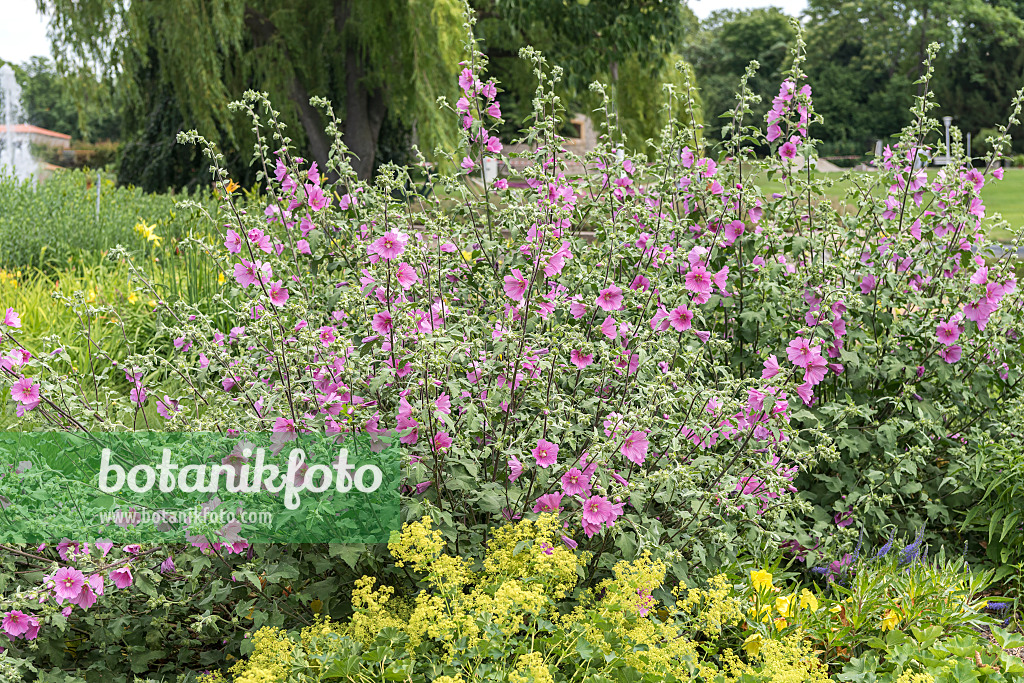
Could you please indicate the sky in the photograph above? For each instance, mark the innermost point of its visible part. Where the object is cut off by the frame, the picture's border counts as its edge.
(23, 30)
(702, 8)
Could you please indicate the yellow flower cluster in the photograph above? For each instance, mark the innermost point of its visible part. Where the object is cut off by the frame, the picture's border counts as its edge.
(146, 232)
(270, 661)
(9, 279)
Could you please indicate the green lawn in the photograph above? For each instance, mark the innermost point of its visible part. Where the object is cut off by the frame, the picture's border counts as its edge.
(1005, 197)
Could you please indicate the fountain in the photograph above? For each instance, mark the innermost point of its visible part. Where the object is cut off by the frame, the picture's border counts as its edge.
(15, 156)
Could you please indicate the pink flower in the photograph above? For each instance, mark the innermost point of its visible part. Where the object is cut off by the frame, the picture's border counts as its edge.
(467, 163)
(167, 565)
(788, 149)
(550, 502)
(11, 318)
(15, 623)
(442, 440)
(546, 453)
(326, 334)
(610, 299)
(67, 583)
(580, 359)
(406, 275)
(598, 510)
(867, 284)
(382, 323)
(122, 577)
(515, 468)
(609, 328)
(278, 293)
(515, 285)
(680, 319)
(698, 280)
(25, 392)
(166, 408)
(575, 483)
(494, 145)
(806, 393)
(816, 370)
(948, 332)
(302, 246)
(771, 367)
(467, 81)
(315, 197)
(389, 245)
(950, 354)
(248, 273)
(801, 352)
(634, 448)
(282, 425)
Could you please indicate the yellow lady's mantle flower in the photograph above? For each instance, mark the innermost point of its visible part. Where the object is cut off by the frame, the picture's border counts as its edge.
(890, 620)
(761, 580)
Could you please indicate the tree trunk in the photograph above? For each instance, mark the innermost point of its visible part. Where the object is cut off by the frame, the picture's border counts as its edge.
(263, 31)
(364, 109)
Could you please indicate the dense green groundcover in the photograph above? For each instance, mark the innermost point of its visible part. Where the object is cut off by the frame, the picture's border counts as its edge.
(656, 423)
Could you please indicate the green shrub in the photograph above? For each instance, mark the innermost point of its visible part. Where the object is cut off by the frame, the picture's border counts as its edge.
(44, 224)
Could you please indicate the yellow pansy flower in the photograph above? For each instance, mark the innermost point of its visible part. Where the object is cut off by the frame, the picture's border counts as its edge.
(761, 580)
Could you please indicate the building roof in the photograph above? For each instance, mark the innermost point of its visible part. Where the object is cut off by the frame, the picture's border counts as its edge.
(25, 129)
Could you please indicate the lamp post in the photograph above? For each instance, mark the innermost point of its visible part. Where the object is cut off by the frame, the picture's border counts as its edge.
(947, 120)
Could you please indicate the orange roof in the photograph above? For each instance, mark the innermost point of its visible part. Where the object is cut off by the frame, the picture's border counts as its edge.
(24, 128)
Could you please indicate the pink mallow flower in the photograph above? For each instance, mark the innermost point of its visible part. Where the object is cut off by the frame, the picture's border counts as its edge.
(122, 577)
(389, 245)
(801, 353)
(515, 285)
(948, 332)
(634, 448)
(545, 453)
(67, 583)
(580, 359)
(610, 299)
(598, 510)
(549, 502)
(278, 293)
(575, 483)
(25, 392)
(15, 623)
(515, 468)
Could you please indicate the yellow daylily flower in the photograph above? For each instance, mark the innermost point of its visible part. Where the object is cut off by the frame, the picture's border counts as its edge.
(761, 580)
(232, 186)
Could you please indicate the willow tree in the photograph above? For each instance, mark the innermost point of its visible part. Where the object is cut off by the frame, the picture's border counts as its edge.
(372, 58)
